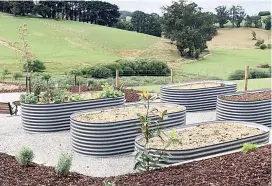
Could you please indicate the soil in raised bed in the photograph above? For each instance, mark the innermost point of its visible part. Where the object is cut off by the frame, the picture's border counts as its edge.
(249, 169)
(254, 96)
(204, 135)
(123, 113)
(198, 85)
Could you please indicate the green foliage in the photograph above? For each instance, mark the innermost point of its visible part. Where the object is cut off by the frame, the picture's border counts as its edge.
(25, 156)
(110, 92)
(5, 72)
(179, 25)
(124, 25)
(60, 95)
(101, 72)
(222, 15)
(264, 66)
(259, 42)
(267, 22)
(197, 53)
(256, 20)
(46, 77)
(253, 74)
(145, 159)
(237, 15)
(17, 75)
(263, 46)
(257, 74)
(249, 147)
(34, 66)
(64, 164)
(37, 83)
(108, 183)
(269, 46)
(29, 98)
(248, 22)
(264, 13)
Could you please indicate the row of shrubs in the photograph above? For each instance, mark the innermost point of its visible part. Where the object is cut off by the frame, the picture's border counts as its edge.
(253, 74)
(137, 67)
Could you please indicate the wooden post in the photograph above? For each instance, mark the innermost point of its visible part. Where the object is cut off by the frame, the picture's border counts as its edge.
(116, 79)
(172, 76)
(246, 77)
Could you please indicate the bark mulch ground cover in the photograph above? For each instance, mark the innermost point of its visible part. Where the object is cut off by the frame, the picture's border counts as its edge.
(237, 169)
(256, 96)
(11, 87)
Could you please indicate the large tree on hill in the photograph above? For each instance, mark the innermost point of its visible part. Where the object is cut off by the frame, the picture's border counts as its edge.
(257, 21)
(222, 15)
(237, 15)
(267, 22)
(191, 28)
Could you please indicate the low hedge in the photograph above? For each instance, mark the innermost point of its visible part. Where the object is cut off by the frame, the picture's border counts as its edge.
(253, 74)
(137, 67)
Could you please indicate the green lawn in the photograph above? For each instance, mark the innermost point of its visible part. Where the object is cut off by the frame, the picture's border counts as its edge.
(253, 84)
(223, 62)
(63, 45)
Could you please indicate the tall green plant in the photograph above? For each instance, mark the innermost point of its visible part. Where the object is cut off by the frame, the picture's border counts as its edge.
(147, 159)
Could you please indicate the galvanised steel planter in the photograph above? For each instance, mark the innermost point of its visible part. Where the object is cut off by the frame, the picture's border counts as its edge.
(113, 138)
(196, 99)
(56, 117)
(251, 111)
(190, 154)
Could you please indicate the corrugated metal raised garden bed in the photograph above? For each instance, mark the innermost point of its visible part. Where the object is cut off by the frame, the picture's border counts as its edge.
(208, 138)
(196, 96)
(251, 106)
(112, 131)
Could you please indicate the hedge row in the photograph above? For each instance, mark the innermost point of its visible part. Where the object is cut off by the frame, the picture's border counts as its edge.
(137, 67)
(253, 74)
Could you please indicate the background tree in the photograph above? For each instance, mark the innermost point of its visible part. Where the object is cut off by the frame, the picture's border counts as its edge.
(124, 25)
(222, 15)
(240, 16)
(185, 23)
(267, 22)
(233, 15)
(248, 21)
(256, 20)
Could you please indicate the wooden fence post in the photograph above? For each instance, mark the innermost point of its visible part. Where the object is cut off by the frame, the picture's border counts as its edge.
(116, 79)
(246, 77)
(172, 75)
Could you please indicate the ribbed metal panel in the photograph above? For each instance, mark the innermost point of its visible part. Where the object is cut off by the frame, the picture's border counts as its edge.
(177, 156)
(251, 111)
(106, 139)
(196, 99)
(56, 117)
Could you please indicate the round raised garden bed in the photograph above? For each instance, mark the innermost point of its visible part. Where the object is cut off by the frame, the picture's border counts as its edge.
(251, 106)
(209, 138)
(196, 96)
(113, 131)
(56, 116)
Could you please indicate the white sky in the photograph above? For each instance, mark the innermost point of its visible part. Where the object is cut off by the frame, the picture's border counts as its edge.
(251, 6)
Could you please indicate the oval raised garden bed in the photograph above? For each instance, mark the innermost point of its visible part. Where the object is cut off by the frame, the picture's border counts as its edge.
(196, 96)
(113, 131)
(251, 106)
(209, 138)
(56, 116)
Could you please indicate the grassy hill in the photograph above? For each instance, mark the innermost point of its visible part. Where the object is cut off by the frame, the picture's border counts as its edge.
(68, 44)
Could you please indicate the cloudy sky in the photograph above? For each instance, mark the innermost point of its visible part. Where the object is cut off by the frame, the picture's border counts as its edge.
(149, 6)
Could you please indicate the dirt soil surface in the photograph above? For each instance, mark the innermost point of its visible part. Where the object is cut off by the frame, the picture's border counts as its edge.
(197, 85)
(125, 113)
(247, 169)
(10, 87)
(256, 96)
(205, 135)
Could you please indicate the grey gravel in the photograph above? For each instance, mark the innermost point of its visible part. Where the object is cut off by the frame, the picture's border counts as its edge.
(48, 146)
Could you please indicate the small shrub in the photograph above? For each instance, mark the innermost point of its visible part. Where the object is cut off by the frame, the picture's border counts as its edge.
(102, 72)
(64, 164)
(263, 46)
(35, 66)
(264, 65)
(269, 46)
(17, 75)
(249, 147)
(110, 92)
(237, 75)
(264, 13)
(29, 98)
(128, 71)
(25, 156)
(253, 35)
(108, 183)
(259, 42)
(256, 74)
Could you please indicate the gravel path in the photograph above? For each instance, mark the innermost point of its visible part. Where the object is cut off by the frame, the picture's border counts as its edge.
(47, 147)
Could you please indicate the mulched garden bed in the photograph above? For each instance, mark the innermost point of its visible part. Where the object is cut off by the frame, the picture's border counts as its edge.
(251, 169)
(254, 96)
(6, 87)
